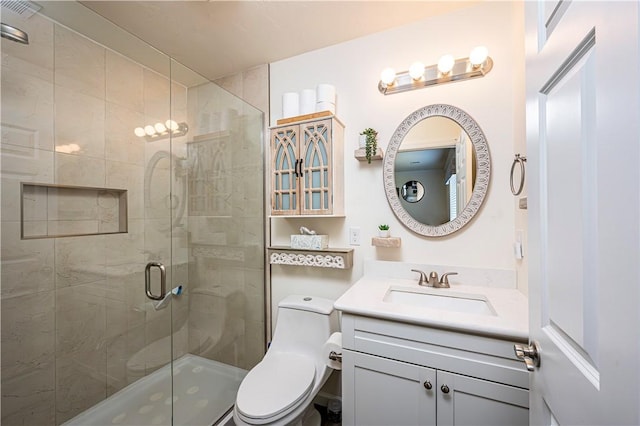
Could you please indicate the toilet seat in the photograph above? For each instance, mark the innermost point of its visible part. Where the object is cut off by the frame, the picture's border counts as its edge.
(275, 387)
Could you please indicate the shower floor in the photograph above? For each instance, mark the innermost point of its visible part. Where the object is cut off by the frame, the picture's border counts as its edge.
(204, 391)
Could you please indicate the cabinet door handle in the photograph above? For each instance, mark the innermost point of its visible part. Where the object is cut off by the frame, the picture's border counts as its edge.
(295, 169)
(444, 389)
(427, 385)
(301, 173)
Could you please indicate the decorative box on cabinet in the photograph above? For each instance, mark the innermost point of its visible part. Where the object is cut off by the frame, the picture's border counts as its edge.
(406, 374)
(307, 168)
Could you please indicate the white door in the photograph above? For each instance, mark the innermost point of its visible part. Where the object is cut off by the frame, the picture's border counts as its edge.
(583, 159)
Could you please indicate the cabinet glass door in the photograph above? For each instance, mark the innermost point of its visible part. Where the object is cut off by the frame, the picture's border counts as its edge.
(316, 168)
(284, 177)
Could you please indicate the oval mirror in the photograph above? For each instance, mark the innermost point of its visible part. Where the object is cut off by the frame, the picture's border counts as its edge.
(444, 150)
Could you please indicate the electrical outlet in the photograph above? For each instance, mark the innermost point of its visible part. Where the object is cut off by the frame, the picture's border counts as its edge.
(354, 236)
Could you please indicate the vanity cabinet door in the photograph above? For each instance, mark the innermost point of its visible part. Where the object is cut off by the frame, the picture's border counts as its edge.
(380, 391)
(464, 400)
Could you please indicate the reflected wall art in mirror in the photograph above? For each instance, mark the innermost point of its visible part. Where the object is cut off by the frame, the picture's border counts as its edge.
(443, 149)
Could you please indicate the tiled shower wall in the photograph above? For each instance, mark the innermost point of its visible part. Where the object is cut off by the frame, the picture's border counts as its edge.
(73, 309)
(74, 314)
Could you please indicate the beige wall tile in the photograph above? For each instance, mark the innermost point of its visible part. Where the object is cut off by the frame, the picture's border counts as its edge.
(27, 265)
(124, 82)
(79, 170)
(17, 165)
(130, 177)
(121, 144)
(36, 59)
(80, 319)
(28, 351)
(79, 123)
(80, 260)
(29, 399)
(79, 63)
(27, 110)
(29, 340)
(157, 97)
(80, 383)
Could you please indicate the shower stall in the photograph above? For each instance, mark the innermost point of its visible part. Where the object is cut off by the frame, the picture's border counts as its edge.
(132, 239)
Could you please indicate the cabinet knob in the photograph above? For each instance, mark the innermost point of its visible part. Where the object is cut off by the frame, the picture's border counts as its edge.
(427, 385)
(444, 389)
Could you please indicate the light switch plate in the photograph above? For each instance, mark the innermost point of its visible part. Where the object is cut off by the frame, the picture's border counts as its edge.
(354, 236)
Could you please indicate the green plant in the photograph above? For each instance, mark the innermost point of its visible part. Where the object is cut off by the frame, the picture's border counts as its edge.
(383, 227)
(371, 143)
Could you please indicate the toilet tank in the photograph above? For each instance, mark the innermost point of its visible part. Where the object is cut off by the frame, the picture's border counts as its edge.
(304, 324)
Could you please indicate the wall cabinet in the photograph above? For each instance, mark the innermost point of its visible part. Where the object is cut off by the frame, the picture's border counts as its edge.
(307, 168)
(424, 376)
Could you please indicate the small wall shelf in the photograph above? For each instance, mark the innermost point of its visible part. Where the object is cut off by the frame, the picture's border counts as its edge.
(360, 154)
(393, 242)
(335, 258)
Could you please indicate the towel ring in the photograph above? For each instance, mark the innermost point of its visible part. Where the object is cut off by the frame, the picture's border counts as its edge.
(518, 160)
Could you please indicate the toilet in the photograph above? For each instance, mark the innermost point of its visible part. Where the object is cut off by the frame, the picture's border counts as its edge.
(281, 388)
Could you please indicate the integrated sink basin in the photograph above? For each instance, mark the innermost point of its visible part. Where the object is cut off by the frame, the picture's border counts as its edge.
(441, 300)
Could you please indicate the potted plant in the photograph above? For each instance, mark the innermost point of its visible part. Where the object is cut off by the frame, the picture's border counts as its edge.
(383, 230)
(371, 143)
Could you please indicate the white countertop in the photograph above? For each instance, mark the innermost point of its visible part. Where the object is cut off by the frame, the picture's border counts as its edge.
(511, 319)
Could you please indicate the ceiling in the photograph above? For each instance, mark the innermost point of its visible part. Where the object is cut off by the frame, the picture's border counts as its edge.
(220, 38)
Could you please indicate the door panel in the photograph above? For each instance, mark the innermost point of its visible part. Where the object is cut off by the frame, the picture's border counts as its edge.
(567, 137)
(582, 148)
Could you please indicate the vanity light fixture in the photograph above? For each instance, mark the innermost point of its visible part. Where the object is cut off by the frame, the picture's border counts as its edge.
(161, 130)
(447, 70)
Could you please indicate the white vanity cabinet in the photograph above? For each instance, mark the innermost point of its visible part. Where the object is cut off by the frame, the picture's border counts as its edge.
(307, 168)
(406, 374)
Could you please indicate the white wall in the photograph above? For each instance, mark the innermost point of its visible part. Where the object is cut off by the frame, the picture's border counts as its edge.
(495, 102)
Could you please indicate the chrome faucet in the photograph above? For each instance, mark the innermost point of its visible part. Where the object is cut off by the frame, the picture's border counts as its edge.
(432, 279)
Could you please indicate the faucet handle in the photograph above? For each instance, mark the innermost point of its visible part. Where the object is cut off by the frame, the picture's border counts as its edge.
(423, 277)
(444, 279)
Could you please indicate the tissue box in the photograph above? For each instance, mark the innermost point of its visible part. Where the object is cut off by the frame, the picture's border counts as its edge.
(309, 242)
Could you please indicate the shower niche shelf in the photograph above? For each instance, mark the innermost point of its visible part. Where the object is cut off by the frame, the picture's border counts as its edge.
(51, 211)
(335, 258)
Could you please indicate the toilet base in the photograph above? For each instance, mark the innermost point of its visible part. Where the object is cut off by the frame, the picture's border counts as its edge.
(311, 417)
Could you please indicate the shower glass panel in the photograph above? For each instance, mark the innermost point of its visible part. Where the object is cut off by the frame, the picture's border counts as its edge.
(81, 342)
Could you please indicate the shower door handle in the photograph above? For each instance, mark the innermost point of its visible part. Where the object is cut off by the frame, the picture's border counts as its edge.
(147, 280)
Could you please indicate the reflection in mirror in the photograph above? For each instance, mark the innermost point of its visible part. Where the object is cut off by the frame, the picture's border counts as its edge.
(412, 191)
(437, 146)
(437, 151)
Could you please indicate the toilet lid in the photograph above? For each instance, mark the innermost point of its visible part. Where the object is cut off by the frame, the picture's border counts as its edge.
(279, 382)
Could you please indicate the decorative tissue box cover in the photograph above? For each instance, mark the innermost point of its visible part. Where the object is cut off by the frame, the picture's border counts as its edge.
(309, 242)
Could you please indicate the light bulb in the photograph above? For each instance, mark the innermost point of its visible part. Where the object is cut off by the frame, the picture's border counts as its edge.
(160, 128)
(388, 76)
(416, 70)
(445, 64)
(139, 131)
(149, 130)
(478, 55)
(172, 125)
